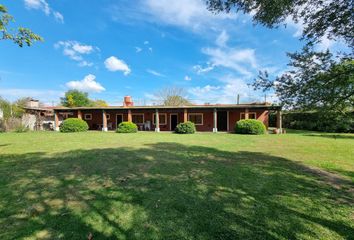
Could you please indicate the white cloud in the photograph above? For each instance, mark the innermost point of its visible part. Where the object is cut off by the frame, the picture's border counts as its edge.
(200, 69)
(153, 72)
(239, 60)
(75, 51)
(226, 92)
(325, 43)
(114, 64)
(44, 6)
(222, 39)
(146, 42)
(58, 16)
(150, 49)
(298, 27)
(88, 84)
(138, 49)
(187, 78)
(44, 95)
(186, 13)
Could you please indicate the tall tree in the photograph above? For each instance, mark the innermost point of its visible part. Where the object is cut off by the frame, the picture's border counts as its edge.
(75, 98)
(20, 36)
(333, 19)
(317, 80)
(173, 96)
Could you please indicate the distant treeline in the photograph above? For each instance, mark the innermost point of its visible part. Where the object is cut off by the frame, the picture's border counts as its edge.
(316, 121)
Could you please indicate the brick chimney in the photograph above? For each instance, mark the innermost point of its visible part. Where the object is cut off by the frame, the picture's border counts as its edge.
(128, 102)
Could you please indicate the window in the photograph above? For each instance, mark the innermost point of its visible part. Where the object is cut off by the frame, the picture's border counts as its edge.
(108, 116)
(251, 115)
(162, 118)
(88, 116)
(138, 118)
(196, 118)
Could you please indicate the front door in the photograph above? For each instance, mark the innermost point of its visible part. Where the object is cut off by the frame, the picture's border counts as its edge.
(119, 119)
(174, 121)
(222, 121)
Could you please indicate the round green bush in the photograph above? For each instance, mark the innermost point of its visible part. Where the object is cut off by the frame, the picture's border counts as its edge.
(74, 125)
(127, 127)
(250, 126)
(185, 128)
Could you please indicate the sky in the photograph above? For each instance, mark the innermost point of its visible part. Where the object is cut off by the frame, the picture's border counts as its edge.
(114, 48)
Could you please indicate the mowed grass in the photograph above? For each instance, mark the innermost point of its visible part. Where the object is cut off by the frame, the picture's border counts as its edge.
(168, 186)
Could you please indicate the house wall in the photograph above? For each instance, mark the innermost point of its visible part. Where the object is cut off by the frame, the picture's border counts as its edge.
(208, 118)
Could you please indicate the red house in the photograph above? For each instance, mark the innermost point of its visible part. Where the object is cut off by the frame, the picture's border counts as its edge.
(208, 117)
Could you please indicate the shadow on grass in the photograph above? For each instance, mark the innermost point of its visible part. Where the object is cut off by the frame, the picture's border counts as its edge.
(332, 136)
(169, 191)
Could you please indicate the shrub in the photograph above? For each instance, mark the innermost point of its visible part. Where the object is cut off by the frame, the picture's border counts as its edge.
(250, 126)
(319, 121)
(127, 127)
(185, 128)
(21, 128)
(73, 125)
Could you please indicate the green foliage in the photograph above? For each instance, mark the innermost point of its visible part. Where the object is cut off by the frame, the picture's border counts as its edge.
(315, 82)
(75, 98)
(185, 128)
(173, 96)
(332, 19)
(6, 108)
(21, 129)
(21, 36)
(99, 103)
(319, 121)
(74, 125)
(250, 126)
(127, 127)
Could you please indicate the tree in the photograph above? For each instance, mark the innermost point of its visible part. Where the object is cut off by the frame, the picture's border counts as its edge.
(315, 82)
(21, 36)
(332, 19)
(173, 96)
(6, 108)
(99, 103)
(75, 98)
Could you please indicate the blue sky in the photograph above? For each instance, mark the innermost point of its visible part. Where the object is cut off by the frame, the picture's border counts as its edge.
(116, 48)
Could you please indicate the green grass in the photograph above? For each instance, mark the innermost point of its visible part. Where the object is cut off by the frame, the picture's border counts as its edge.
(169, 186)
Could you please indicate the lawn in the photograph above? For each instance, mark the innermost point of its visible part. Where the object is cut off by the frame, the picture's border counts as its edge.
(167, 186)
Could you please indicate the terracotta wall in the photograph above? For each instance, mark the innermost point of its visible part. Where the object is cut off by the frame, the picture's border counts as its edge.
(234, 116)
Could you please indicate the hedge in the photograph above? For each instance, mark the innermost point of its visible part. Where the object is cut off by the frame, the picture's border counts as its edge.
(127, 127)
(318, 121)
(250, 126)
(185, 128)
(74, 125)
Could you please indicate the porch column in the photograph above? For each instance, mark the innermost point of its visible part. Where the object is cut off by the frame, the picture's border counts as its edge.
(104, 121)
(130, 119)
(246, 113)
(279, 120)
(79, 114)
(157, 121)
(185, 115)
(215, 129)
(56, 121)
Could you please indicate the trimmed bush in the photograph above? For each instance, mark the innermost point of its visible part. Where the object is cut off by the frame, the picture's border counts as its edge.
(250, 126)
(74, 125)
(127, 127)
(185, 128)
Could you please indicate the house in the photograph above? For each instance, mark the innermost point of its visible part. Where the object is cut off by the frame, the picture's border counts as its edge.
(207, 117)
